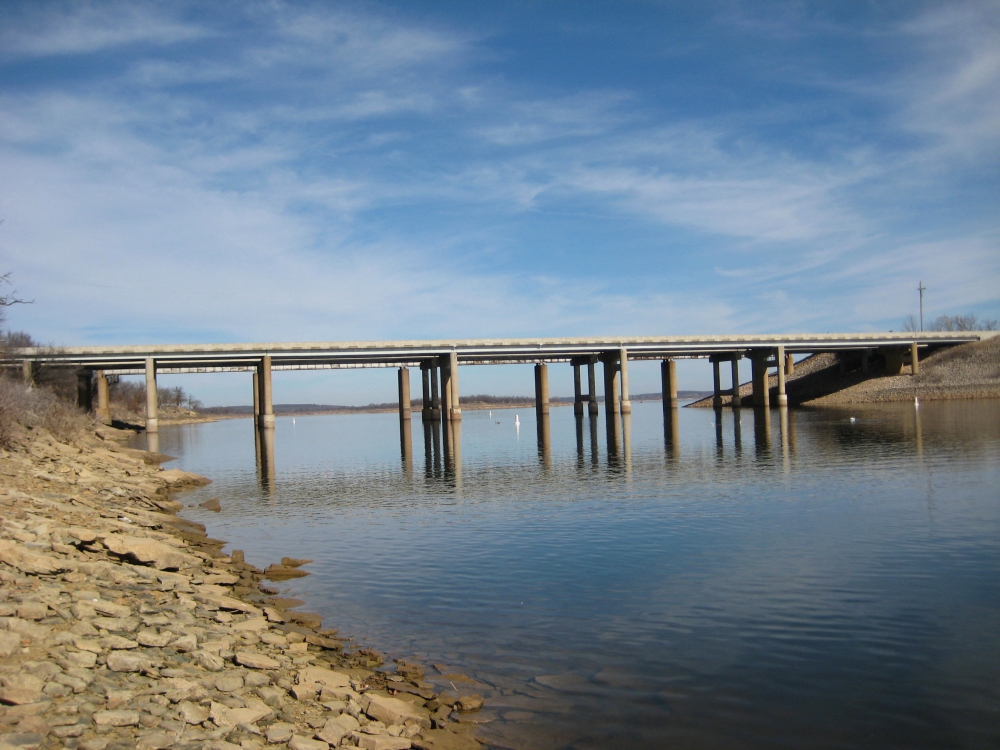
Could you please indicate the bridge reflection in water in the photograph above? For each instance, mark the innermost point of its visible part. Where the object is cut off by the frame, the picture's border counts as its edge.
(442, 442)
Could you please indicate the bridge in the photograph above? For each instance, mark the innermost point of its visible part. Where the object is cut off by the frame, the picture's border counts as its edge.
(439, 361)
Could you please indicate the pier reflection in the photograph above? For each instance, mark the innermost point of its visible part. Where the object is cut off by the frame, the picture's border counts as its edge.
(762, 430)
(672, 433)
(264, 444)
(452, 431)
(406, 445)
(544, 430)
(432, 448)
(738, 430)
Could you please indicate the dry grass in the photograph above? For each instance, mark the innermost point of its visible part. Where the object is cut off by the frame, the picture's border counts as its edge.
(21, 407)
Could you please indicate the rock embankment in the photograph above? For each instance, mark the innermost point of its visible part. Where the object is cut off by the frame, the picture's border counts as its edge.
(125, 626)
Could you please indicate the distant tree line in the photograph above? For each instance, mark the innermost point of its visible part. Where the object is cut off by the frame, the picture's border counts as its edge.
(952, 323)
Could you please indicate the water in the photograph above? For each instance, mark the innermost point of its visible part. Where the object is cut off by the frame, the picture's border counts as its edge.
(808, 581)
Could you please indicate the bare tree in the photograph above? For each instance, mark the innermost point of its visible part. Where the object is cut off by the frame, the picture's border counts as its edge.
(910, 323)
(968, 322)
(7, 300)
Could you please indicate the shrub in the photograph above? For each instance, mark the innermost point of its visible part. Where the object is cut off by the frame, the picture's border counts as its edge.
(37, 407)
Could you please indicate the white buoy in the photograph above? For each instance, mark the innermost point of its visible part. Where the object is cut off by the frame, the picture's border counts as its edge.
(853, 419)
(517, 419)
(491, 414)
(916, 401)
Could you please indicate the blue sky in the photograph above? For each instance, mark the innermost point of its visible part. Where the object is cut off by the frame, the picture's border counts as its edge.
(192, 172)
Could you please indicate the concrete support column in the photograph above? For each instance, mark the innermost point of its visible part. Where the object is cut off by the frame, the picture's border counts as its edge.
(541, 388)
(404, 393)
(914, 359)
(455, 412)
(761, 395)
(152, 404)
(737, 401)
(577, 390)
(266, 418)
(626, 404)
(780, 359)
(668, 377)
(103, 398)
(425, 390)
(85, 389)
(592, 384)
(256, 397)
(789, 364)
(893, 361)
(28, 372)
(612, 404)
(445, 388)
(716, 385)
(435, 392)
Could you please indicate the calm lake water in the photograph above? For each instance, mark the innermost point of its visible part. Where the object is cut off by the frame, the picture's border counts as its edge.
(830, 579)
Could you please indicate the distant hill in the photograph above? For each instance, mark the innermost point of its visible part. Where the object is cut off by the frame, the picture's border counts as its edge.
(474, 400)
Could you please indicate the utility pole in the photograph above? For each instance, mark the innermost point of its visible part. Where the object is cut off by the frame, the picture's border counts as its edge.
(921, 288)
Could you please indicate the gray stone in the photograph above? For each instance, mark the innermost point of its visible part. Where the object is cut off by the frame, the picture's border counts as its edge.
(279, 732)
(229, 683)
(9, 643)
(299, 742)
(256, 660)
(125, 661)
(118, 718)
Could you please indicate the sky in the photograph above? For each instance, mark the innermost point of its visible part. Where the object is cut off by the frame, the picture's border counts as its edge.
(177, 172)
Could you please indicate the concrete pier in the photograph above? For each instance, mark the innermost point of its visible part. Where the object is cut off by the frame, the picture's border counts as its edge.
(445, 368)
(782, 363)
(668, 378)
(577, 389)
(266, 418)
(85, 389)
(914, 359)
(612, 398)
(626, 404)
(404, 392)
(761, 394)
(592, 384)
(737, 401)
(455, 410)
(716, 385)
(256, 397)
(541, 389)
(435, 393)
(425, 391)
(28, 372)
(789, 364)
(152, 404)
(103, 399)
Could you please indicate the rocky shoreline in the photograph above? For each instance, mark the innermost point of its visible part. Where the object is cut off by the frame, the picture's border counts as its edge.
(124, 626)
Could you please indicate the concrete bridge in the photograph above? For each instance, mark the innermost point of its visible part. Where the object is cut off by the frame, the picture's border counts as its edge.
(439, 361)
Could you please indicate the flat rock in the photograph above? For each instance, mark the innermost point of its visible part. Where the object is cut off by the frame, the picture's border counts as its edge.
(323, 676)
(149, 552)
(380, 741)
(126, 661)
(20, 688)
(212, 504)
(192, 713)
(337, 728)
(256, 661)
(9, 643)
(175, 477)
(119, 718)
(27, 561)
(279, 732)
(298, 742)
(442, 739)
(223, 716)
(394, 711)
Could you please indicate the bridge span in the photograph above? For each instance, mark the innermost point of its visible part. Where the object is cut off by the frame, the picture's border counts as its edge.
(439, 361)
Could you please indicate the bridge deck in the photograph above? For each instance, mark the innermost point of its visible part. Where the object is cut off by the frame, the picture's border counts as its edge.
(215, 357)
